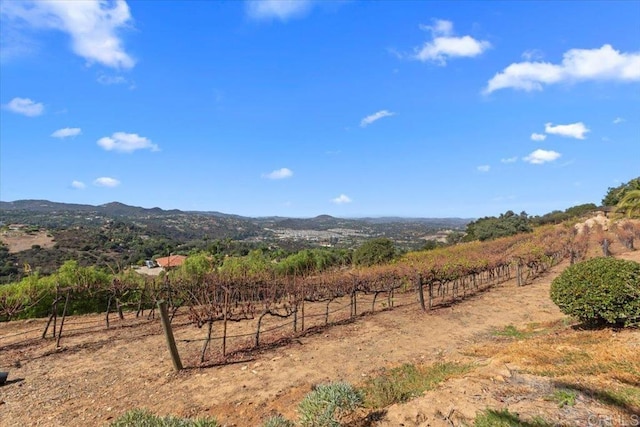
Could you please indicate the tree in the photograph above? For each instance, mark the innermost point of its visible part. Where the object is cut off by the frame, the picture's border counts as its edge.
(197, 266)
(506, 224)
(630, 204)
(376, 251)
(616, 194)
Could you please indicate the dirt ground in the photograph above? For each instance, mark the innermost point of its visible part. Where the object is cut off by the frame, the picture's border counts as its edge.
(97, 376)
(17, 240)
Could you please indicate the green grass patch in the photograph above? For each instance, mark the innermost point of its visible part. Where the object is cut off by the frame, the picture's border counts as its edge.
(509, 331)
(504, 418)
(144, 418)
(564, 397)
(408, 381)
(624, 397)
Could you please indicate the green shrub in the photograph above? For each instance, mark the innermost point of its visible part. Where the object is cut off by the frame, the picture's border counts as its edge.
(600, 291)
(328, 402)
(144, 418)
(278, 421)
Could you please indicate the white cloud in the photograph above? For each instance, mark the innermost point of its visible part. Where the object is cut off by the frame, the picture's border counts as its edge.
(78, 185)
(25, 106)
(444, 45)
(618, 120)
(539, 157)
(278, 9)
(573, 130)
(484, 168)
(92, 25)
(375, 116)
(604, 63)
(106, 181)
(440, 27)
(341, 199)
(66, 132)
(509, 160)
(126, 142)
(538, 137)
(282, 173)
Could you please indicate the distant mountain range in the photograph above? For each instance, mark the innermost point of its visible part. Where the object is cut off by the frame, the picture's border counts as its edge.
(186, 225)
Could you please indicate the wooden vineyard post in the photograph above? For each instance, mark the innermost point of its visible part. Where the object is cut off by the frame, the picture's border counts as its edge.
(64, 314)
(224, 332)
(206, 342)
(168, 334)
(430, 294)
(421, 292)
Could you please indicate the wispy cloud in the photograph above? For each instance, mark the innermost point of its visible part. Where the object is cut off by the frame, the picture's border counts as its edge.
(484, 168)
(126, 143)
(573, 130)
(66, 132)
(282, 173)
(604, 63)
(105, 79)
(374, 117)
(25, 106)
(538, 137)
(79, 185)
(444, 45)
(540, 156)
(532, 54)
(106, 181)
(92, 25)
(509, 160)
(341, 199)
(618, 120)
(282, 10)
(13, 44)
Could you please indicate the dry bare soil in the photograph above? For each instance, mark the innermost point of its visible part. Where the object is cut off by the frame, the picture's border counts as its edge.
(18, 240)
(97, 376)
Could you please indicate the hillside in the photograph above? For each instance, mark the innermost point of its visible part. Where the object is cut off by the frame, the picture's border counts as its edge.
(115, 235)
(509, 337)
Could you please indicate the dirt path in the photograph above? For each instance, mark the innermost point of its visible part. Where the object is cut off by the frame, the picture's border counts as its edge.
(115, 371)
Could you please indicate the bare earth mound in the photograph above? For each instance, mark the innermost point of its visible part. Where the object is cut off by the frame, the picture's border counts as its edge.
(97, 376)
(18, 240)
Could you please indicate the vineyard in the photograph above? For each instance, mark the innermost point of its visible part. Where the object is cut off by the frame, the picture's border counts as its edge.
(242, 311)
(269, 337)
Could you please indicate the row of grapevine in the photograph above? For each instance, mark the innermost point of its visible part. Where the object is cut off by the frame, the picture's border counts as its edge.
(430, 278)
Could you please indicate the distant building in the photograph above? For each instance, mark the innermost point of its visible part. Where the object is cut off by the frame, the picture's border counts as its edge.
(171, 261)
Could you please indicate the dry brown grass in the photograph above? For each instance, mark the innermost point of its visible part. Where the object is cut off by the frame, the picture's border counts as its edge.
(603, 364)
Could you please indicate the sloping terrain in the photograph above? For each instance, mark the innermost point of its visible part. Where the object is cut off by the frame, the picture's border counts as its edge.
(97, 376)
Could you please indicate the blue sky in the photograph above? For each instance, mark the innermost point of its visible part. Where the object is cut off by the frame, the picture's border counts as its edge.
(301, 108)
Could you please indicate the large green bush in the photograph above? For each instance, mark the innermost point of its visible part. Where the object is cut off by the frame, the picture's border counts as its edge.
(600, 291)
